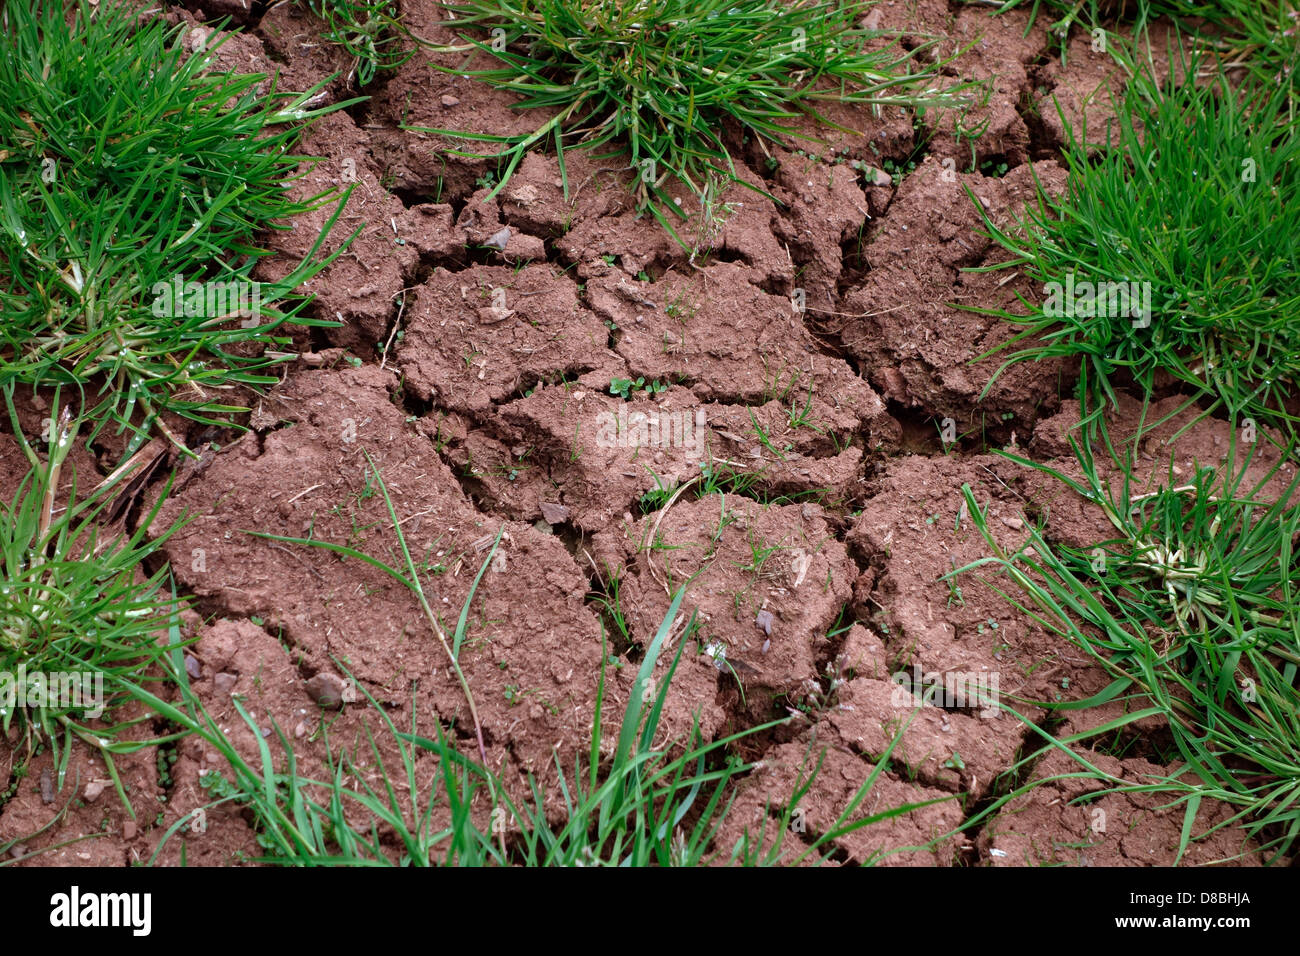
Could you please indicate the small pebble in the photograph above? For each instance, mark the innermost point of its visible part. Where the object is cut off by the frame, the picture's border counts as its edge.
(498, 239)
(93, 790)
(450, 101)
(192, 667)
(47, 786)
(764, 622)
(225, 683)
(554, 513)
(128, 830)
(492, 314)
(326, 690)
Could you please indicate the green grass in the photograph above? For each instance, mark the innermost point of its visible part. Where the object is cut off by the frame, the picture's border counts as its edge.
(1258, 36)
(371, 31)
(1193, 609)
(664, 80)
(125, 164)
(75, 601)
(1194, 204)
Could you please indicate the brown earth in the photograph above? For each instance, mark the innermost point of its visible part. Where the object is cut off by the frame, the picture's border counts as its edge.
(819, 343)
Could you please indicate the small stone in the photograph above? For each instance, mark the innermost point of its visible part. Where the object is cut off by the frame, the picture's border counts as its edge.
(225, 683)
(524, 248)
(498, 239)
(47, 786)
(18, 851)
(192, 667)
(93, 790)
(1015, 523)
(326, 690)
(764, 622)
(301, 730)
(128, 830)
(449, 101)
(493, 314)
(554, 513)
(525, 195)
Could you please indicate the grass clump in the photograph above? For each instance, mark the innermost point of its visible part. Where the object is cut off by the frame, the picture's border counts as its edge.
(1256, 36)
(129, 170)
(1172, 250)
(371, 31)
(667, 78)
(1193, 608)
(79, 618)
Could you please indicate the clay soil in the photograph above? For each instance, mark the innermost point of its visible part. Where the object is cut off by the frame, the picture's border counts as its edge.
(485, 419)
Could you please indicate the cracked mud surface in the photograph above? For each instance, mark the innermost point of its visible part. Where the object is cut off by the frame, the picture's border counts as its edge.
(482, 393)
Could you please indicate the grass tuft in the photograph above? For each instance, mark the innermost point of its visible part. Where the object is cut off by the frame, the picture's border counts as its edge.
(1193, 608)
(129, 168)
(370, 31)
(669, 78)
(1254, 36)
(1186, 222)
(79, 617)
